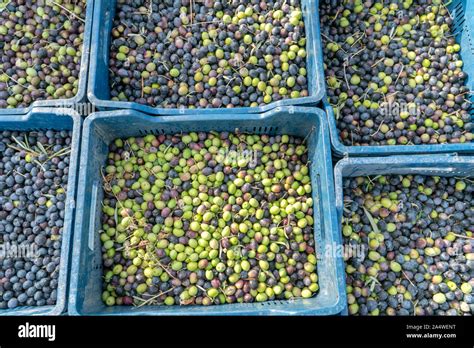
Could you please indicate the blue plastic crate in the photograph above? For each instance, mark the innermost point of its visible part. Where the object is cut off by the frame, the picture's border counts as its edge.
(463, 28)
(102, 128)
(53, 119)
(99, 91)
(441, 165)
(80, 97)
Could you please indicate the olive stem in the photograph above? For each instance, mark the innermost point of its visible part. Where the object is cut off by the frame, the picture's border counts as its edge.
(68, 11)
(11, 78)
(404, 274)
(151, 298)
(461, 236)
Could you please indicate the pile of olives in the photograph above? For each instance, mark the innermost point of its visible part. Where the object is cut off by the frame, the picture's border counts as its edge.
(208, 54)
(34, 169)
(207, 218)
(41, 44)
(413, 237)
(394, 73)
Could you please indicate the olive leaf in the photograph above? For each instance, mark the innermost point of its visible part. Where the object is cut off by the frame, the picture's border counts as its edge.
(372, 221)
(372, 281)
(4, 4)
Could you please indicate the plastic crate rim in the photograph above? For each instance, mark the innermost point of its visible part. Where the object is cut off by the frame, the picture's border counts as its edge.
(204, 117)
